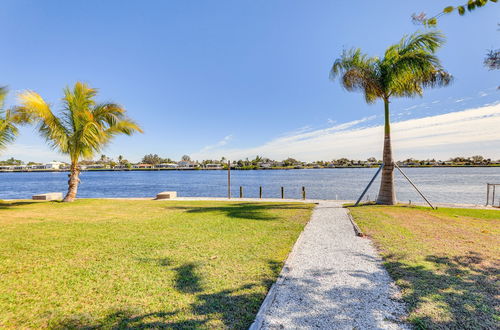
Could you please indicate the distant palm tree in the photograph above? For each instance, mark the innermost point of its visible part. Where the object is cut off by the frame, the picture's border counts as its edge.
(8, 122)
(82, 128)
(405, 70)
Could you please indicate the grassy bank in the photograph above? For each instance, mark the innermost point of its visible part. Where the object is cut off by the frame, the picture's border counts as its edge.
(446, 262)
(119, 263)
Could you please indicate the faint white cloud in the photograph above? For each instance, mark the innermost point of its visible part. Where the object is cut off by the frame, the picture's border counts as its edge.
(411, 108)
(219, 144)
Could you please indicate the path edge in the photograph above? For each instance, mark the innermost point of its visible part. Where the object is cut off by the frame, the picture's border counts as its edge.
(271, 294)
(354, 224)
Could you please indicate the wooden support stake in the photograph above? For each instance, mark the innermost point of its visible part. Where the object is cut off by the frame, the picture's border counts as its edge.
(260, 192)
(369, 184)
(241, 192)
(304, 193)
(282, 193)
(487, 194)
(407, 178)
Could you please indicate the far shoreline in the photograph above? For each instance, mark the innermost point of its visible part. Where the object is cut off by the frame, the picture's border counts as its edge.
(239, 169)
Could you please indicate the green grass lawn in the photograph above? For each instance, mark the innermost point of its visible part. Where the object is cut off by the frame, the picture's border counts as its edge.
(445, 261)
(125, 263)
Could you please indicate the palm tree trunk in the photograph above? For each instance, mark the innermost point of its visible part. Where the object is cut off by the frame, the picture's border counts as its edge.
(387, 193)
(72, 183)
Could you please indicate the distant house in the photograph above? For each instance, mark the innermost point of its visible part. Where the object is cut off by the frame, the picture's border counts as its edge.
(54, 165)
(6, 167)
(142, 166)
(167, 165)
(265, 165)
(20, 167)
(186, 164)
(96, 166)
(214, 166)
(36, 167)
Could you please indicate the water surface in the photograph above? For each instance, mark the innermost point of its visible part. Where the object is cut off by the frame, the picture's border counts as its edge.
(446, 185)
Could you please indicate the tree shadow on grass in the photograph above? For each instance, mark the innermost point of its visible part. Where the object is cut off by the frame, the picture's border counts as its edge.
(187, 279)
(11, 205)
(158, 261)
(463, 290)
(235, 308)
(248, 211)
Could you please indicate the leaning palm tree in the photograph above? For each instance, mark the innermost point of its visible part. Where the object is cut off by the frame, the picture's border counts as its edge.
(405, 70)
(82, 128)
(8, 122)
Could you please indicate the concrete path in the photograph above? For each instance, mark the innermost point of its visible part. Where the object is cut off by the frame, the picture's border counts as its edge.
(332, 280)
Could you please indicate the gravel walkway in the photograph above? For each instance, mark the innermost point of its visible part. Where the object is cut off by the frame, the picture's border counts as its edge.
(332, 280)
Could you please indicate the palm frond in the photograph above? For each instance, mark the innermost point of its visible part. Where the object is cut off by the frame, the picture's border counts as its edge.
(3, 95)
(33, 108)
(8, 129)
(428, 42)
(412, 65)
(124, 126)
(358, 73)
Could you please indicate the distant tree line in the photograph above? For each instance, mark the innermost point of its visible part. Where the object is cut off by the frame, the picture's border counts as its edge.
(260, 162)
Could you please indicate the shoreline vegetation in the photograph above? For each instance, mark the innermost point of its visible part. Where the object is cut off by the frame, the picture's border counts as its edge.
(232, 168)
(155, 163)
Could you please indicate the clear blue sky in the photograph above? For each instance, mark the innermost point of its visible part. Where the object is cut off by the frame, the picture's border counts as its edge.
(202, 75)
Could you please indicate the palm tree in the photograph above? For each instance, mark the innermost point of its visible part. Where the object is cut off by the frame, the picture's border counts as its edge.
(8, 122)
(82, 128)
(405, 70)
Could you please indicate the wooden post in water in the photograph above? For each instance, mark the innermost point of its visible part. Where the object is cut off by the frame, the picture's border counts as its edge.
(229, 179)
(493, 196)
(241, 192)
(282, 193)
(260, 192)
(303, 192)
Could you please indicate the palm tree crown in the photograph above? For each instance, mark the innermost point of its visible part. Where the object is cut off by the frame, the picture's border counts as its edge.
(405, 70)
(82, 128)
(8, 122)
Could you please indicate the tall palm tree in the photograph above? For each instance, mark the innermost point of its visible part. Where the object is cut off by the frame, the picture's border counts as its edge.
(82, 128)
(8, 122)
(405, 70)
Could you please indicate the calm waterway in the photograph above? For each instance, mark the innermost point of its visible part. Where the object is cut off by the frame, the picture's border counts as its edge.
(446, 185)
